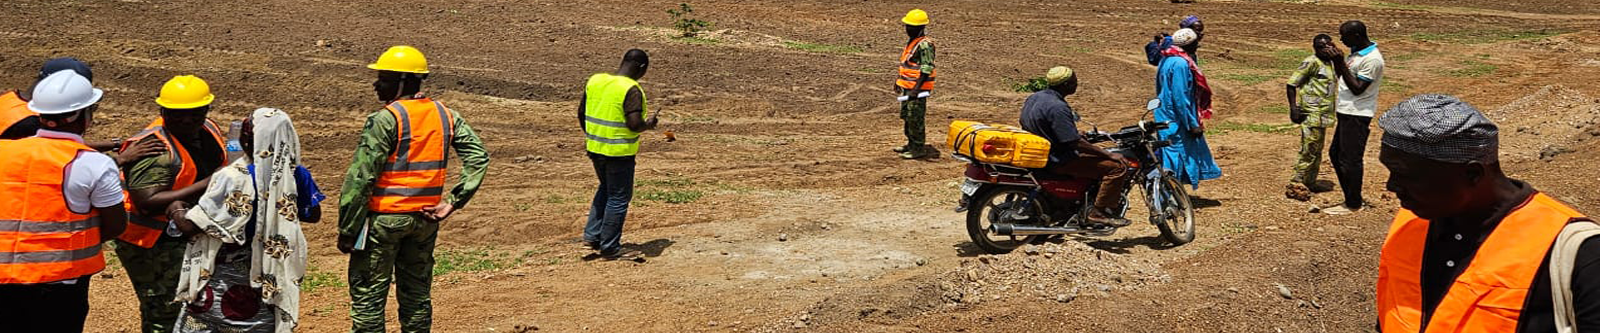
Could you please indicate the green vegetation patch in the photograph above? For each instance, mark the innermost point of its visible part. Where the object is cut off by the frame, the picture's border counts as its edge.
(1248, 79)
(1226, 127)
(688, 24)
(1485, 36)
(1473, 68)
(470, 260)
(822, 48)
(316, 279)
(678, 196)
(1032, 84)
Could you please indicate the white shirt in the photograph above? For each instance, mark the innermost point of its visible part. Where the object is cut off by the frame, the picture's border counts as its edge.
(1366, 65)
(94, 180)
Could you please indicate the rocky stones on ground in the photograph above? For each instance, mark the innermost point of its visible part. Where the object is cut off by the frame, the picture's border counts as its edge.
(1058, 275)
(1285, 292)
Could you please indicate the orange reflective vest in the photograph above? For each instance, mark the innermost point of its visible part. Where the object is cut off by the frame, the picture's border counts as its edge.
(144, 228)
(41, 240)
(413, 176)
(12, 109)
(1488, 295)
(910, 71)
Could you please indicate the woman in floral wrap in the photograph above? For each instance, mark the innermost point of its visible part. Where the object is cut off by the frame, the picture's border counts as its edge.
(242, 269)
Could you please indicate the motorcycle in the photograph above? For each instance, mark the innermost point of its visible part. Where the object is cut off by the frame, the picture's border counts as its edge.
(1009, 206)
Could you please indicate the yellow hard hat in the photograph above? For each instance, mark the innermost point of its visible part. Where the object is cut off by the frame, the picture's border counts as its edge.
(185, 92)
(401, 58)
(916, 17)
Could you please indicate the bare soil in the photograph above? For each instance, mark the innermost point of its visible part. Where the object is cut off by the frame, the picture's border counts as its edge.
(804, 220)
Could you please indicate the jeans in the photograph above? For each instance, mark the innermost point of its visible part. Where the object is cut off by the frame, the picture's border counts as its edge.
(44, 308)
(610, 207)
(1347, 152)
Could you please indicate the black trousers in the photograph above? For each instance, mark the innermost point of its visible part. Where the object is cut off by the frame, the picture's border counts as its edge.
(44, 308)
(1347, 152)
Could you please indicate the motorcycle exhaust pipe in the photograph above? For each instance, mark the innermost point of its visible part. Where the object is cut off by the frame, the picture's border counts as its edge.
(1009, 229)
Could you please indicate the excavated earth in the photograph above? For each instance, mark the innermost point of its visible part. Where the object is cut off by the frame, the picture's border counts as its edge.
(779, 207)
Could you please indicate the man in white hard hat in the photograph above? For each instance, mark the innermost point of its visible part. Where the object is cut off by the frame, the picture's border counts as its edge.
(66, 199)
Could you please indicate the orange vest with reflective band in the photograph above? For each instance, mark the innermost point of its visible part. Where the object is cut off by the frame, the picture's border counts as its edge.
(1488, 295)
(910, 71)
(41, 240)
(413, 177)
(144, 228)
(12, 109)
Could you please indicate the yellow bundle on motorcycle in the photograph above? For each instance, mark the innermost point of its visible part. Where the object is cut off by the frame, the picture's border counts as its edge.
(998, 144)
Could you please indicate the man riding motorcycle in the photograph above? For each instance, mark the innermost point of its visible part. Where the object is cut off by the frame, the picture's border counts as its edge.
(1047, 114)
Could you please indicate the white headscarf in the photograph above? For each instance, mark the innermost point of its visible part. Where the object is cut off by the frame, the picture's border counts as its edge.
(1184, 37)
(278, 252)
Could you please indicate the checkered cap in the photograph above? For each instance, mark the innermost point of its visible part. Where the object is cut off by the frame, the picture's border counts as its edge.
(1441, 128)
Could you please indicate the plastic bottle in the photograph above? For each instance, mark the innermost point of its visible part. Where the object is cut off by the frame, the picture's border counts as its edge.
(234, 149)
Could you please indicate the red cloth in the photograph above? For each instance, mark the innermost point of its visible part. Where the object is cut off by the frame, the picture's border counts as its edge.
(1202, 93)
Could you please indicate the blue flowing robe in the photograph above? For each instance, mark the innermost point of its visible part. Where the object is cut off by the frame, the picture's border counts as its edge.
(1189, 157)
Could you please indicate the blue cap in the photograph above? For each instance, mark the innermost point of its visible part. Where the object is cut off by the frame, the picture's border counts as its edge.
(60, 64)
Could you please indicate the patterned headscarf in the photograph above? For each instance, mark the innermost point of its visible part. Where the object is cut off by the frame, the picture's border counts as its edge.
(278, 251)
(1441, 128)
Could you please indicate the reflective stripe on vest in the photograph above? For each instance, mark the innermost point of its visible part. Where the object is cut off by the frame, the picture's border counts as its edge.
(12, 110)
(413, 176)
(605, 123)
(41, 239)
(144, 228)
(1488, 295)
(910, 71)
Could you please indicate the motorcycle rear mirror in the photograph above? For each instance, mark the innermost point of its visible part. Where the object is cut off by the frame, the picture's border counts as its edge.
(1152, 104)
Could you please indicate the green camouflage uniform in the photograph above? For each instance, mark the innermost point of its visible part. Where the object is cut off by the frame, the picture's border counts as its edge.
(399, 247)
(154, 271)
(915, 110)
(1315, 80)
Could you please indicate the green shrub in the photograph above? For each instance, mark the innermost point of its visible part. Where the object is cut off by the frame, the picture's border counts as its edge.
(686, 22)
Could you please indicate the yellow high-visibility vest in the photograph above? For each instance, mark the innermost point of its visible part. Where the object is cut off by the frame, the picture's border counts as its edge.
(605, 123)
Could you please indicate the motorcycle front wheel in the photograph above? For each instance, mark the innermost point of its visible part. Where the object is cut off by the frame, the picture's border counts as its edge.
(1175, 216)
(1001, 204)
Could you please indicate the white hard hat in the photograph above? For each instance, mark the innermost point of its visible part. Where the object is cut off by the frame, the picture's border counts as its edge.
(63, 92)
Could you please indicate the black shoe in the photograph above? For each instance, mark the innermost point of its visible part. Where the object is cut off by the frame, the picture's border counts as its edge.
(616, 254)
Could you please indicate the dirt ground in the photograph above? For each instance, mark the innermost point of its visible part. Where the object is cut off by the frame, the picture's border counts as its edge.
(780, 207)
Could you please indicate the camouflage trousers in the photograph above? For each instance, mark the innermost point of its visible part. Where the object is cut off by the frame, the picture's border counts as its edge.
(400, 251)
(1312, 139)
(914, 113)
(154, 273)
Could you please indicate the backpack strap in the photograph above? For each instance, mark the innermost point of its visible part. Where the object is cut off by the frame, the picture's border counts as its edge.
(1563, 257)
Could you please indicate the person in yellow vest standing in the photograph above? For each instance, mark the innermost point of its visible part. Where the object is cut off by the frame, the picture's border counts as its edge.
(62, 201)
(613, 113)
(915, 84)
(151, 250)
(1472, 249)
(394, 195)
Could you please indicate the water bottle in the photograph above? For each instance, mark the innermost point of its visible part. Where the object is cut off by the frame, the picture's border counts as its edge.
(233, 147)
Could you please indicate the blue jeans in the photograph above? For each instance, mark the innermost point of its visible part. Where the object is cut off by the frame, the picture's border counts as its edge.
(610, 207)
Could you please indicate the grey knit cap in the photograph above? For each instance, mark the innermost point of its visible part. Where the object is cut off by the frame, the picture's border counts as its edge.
(1441, 128)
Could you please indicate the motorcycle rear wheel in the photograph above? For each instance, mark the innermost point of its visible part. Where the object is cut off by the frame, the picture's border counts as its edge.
(990, 206)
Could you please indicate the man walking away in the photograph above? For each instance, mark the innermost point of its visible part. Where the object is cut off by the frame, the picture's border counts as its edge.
(394, 196)
(613, 113)
(64, 200)
(1311, 91)
(1360, 76)
(915, 84)
(1474, 250)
